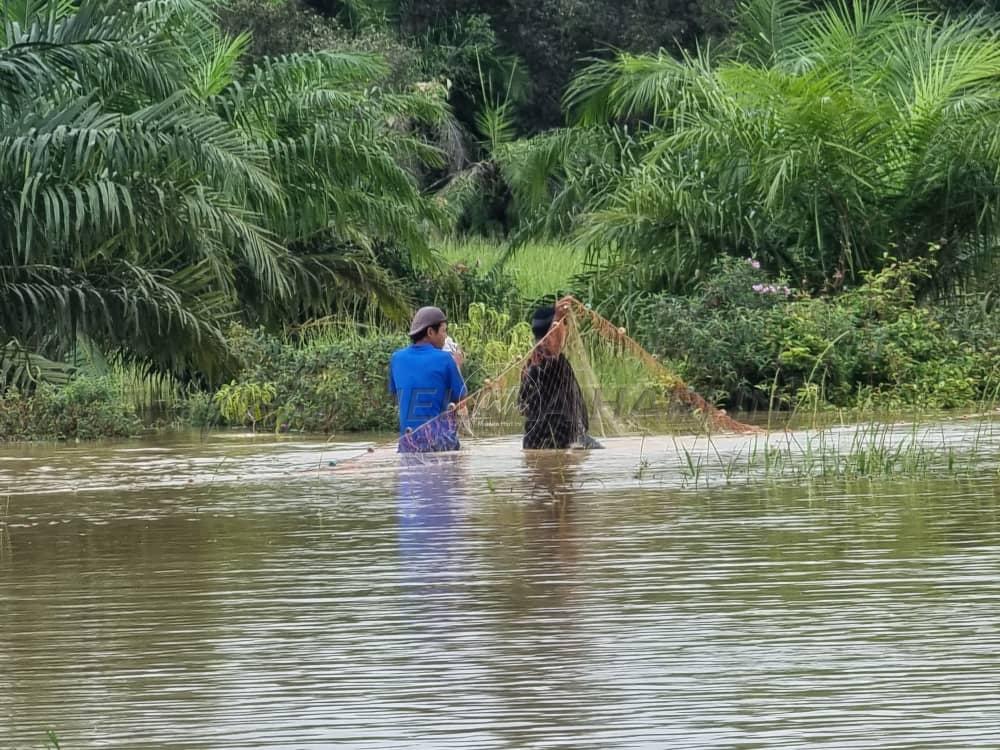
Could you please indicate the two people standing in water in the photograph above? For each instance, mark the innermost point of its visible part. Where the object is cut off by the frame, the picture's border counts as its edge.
(427, 382)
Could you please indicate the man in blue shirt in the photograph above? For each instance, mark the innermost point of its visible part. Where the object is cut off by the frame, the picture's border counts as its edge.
(425, 379)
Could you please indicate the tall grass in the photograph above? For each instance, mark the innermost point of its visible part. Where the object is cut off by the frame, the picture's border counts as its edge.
(539, 269)
(872, 451)
(149, 392)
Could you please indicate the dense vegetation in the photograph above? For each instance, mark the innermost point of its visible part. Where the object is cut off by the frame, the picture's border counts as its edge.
(155, 184)
(821, 142)
(752, 342)
(241, 199)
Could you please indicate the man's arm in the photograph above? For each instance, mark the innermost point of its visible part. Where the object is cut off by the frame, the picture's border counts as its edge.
(554, 341)
(456, 385)
(392, 380)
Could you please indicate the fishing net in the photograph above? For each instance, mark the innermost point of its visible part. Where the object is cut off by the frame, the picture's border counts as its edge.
(585, 379)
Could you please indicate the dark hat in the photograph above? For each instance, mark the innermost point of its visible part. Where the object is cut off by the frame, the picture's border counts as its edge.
(541, 321)
(426, 317)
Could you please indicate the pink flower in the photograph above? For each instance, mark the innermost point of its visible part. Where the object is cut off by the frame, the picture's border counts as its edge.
(754, 263)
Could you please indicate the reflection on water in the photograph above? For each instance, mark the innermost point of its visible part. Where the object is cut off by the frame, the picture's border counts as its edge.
(247, 595)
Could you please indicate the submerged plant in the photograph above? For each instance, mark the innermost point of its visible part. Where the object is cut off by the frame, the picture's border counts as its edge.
(874, 451)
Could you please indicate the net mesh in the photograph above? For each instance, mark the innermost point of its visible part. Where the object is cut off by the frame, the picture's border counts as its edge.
(585, 379)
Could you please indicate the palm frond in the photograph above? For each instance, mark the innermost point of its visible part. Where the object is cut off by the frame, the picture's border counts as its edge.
(820, 142)
(23, 369)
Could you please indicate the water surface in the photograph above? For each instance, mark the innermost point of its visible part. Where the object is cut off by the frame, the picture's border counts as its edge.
(244, 593)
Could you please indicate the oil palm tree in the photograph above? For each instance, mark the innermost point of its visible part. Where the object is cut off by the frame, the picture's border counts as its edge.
(151, 189)
(822, 141)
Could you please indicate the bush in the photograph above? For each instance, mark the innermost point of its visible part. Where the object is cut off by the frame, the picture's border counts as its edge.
(325, 385)
(491, 342)
(716, 340)
(811, 343)
(454, 287)
(199, 409)
(552, 36)
(85, 408)
(746, 341)
(239, 403)
(290, 26)
(458, 287)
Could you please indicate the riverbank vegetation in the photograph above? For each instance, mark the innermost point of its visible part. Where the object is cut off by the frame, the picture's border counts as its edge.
(222, 212)
(864, 451)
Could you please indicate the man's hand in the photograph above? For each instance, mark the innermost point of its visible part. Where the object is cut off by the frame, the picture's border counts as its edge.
(562, 308)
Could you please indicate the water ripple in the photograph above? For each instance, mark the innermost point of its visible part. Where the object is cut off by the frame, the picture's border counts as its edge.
(495, 599)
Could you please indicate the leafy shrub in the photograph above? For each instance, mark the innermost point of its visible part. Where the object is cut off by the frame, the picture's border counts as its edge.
(491, 342)
(744, 341)
(811, 343)
(324, 385)
(289, 26)
(457, 287)
(199, 409)
(717, 340)
(85, 408)
(552, 36)
(240, 403)
(742, 283)
(452, 286)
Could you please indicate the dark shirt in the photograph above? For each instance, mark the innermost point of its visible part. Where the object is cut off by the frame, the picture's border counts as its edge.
(555, 415)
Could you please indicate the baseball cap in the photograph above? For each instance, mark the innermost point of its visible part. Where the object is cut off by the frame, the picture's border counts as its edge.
(426, 317)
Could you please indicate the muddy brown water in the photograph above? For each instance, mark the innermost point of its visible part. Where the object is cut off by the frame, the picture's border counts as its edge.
(235, 592)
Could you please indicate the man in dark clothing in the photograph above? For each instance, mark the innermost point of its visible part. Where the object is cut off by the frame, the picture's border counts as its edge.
(555, 414)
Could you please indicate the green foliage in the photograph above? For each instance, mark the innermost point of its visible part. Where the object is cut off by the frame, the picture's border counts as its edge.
(279, 27)
(357, 14)
(816, 140)
(239, 403)
(455, 286)
(743, 341)
(813, 345)
(333, 380)
(23, 369)
(464, 51)
(84, 408)
(554, 176)
(199, 409)
(551, 36)
(166, 172)
(283, 27)
(326, 384)
(155, 188)
(491, 342)
(484, 87)
(714, 340)
(536, 270)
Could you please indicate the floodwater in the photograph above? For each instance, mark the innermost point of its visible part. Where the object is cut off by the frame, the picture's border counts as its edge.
(232, 592)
